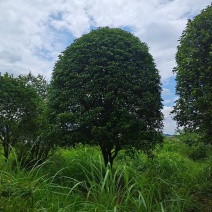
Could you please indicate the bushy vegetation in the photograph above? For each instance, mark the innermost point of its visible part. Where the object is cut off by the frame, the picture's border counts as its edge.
(77, 180)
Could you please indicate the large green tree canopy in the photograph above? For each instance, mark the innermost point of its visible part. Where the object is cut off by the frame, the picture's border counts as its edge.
(106, 90)
(193, 109)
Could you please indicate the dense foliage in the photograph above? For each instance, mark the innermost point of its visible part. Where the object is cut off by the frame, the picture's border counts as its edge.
(18, 111)
(22, 118)
(39, 146)
(106, 91)
(194, 76)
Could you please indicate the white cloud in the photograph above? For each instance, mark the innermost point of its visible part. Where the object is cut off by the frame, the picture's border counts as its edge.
(32, 32)
(166, 91)
(169, 101)
(169, 125)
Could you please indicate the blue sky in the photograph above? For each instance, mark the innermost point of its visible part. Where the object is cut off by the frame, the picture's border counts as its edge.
(34, 33)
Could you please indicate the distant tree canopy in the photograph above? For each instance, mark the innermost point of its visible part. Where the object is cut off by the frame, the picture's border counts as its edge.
(38, 82)
(23, 123)
(38, 146)
(106, 91)
(18, 111)
(193, 109)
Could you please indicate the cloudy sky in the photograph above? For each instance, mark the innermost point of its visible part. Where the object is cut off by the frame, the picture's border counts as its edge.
(34, 33)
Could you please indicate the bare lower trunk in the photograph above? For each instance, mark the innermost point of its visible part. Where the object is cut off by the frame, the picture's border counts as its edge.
(6, 150)
(6, 141)
(109, 154)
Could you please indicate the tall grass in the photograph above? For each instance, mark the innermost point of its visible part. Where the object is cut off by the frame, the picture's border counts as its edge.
(76, 180)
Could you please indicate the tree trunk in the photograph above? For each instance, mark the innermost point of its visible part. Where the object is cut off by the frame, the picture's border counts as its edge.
(109, 154)
(6, 150)
(105, 155)
(6, 141)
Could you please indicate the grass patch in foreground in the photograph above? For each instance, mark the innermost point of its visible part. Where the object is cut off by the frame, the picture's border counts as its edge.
(76, 180)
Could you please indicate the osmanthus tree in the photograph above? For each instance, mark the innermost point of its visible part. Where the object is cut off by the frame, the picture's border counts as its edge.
(193, 109)
(105, 90)
(18, 110)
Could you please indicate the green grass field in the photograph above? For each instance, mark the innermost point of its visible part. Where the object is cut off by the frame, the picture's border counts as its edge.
(177, 179)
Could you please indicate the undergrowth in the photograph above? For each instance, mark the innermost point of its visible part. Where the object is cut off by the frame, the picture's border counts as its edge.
(76, 180)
